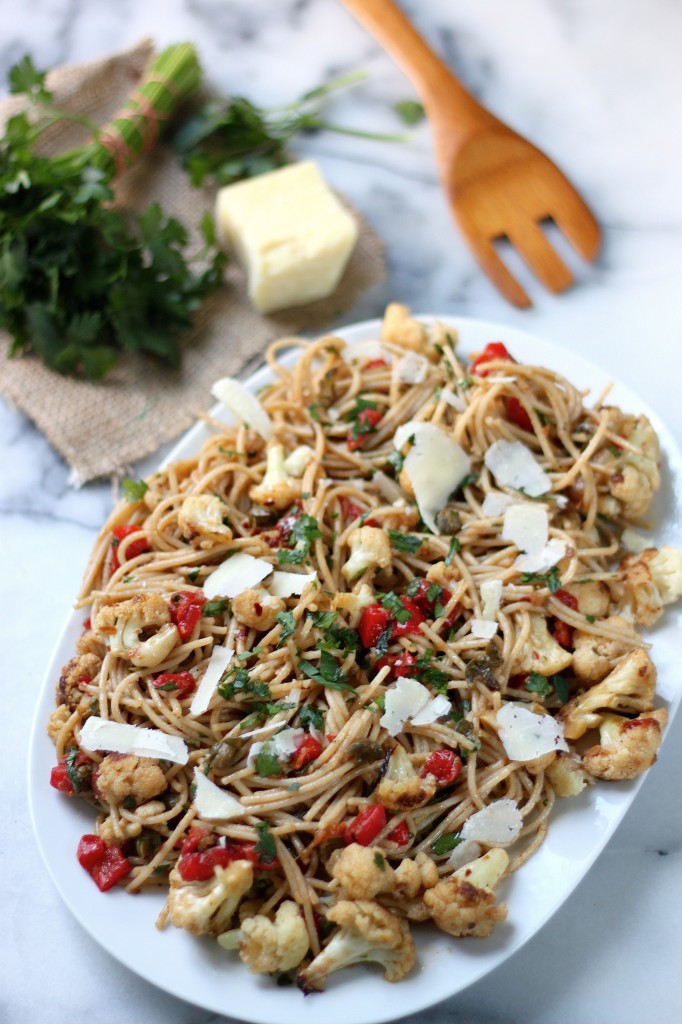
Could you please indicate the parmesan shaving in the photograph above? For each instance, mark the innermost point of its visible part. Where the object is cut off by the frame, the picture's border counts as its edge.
(122, 738)
(243, 405)
(495, 825)
(286, 584)
(526, 735)
(237, 574)
(217, 666)
(212, 802)
(514, 465)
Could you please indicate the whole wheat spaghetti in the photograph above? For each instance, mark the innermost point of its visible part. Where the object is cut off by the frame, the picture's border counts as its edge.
(367, 720)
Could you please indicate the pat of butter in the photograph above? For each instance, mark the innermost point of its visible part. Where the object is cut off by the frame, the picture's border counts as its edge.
(290, 233)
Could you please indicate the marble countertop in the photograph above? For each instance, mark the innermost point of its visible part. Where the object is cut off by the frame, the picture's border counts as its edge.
(594, 86)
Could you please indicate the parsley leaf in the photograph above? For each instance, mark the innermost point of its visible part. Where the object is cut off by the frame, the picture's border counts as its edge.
(550, 580)
(134, 490)
(311, 717)
(405, 542)
(288, 624)
(537, 684)
(454, 549)
(395, 460)
(379, 861)
(445, 843)
(303, 532)
(395, 606)
(327, 672)
(213, 608)
(267, 765)
(560, 687)
(265, 846)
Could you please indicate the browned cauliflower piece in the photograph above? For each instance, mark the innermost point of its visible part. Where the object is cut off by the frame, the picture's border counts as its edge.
(123, 776)
(629, 688)
(57, 720)
(401, 788)
(636, 475)
(412, 879)
(566, 775)
(627, 746)
(464, 903)
(652, 579)
(123, 623)
(363, 872)
(367, 932)
(267, 946)
(400, 328)
(541, 653)
(76, 671)
(278, 489)
(593, 597)
(257, 609)
(200, 520)
(595, 656)
(206, 908)
(369, 549)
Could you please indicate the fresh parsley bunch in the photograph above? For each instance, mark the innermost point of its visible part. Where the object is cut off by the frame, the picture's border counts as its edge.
(82, 281)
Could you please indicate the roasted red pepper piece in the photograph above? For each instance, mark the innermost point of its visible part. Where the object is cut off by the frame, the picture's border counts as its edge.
(179, 683)
(367, 825)
(59, 778)
(399, 664)
(494, 350)
(428, 606)
(445, 766)
(351, 511)
(185, 609)
(400, 834)
(308, 749)
(412, 624)
(198, 859)
(106, 865)
(517, 414)
(568, 599)
(563, 634)
(135, 548)
(374, 364)
(91, 849)
(365, 423)
(373, 622)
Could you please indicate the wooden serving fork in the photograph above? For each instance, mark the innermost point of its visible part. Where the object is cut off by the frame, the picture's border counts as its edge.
(499, 186)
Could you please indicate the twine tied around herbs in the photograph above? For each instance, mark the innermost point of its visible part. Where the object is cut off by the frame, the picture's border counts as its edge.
(100, 428)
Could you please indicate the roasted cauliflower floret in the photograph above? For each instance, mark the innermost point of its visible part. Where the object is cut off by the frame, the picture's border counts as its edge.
(123, 776)
(369, 549)
(400, 328)
(206, 908)
(267, 946)
(593, 598)
(115, 833)
(629, 688)
(414, 876)
(76, 671)
(257, 609)
(566, 775)
(627, 746)
(201, 520)
(636, 475)
(594, 656)
(278, 489)
(541, 653)
(297, 461)
(123, 623)
(363, 872)
(354, 604)
(402, 788)
(368, 932)
(464, 903)
(57, 720)
(652, 579)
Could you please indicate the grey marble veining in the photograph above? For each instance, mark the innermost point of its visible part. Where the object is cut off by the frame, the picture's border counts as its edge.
(595, 85)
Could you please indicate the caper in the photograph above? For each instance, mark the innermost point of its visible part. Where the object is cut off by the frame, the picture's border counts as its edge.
(147, 843)
(365, 751)
(449, 521)
(221, 755)
(264, 516)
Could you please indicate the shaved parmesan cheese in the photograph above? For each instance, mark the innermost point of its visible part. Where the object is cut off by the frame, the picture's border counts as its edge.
(434, 709)
(365, 352)
(484, 629)
(212, 802)
(121, 738)
(236, 575)
(495, 503)
(526, 735)
(217, 666)
(435, 465)
(635, 542)
(285, 743)
(273, 725)
(296, 462)
(514, 465)
(244, 405)
(412, 368)
(450, 398)
(253, 754)
(407, 430)
(498, 823)
(463, 854)
(402, 701)
(526, 526)
(285, 584)
(491, 592)
(387, 488)
(553, 551)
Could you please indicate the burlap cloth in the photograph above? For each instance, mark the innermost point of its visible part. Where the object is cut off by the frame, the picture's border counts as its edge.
(100, 428)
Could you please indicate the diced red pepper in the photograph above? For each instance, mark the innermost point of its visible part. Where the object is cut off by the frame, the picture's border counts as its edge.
(308, 750)
(59, 778)
(445, 766)
(421, 599)
(563, 634)
(365, 423)
(367, 825)
(185, 610)
(568, 599)
(285, 525)
(412, 624)
(198, 862)
(87, 624)
(518, 682)
(106, 865)
(516, 413)
(135, 548)
(400, 834)
(399, 664)
(373, 622)
(351, 511)
(374, 364)
(494, 350)
(179, 683)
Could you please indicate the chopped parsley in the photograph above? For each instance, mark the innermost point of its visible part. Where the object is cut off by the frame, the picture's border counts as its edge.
(241, 683)
(327, 672)
(405, 542)
(550, 580)
(410, 112)
(395, 606)
(560, 687)
(323, 620)
(134, 490)
(267, 765)
(288, 624)
(213, 608)
(303, 532)
(395, 460)
(265, 847)
(314, 412)
(379, 861)
(614, 450)
(454, 549)
(445, 843)
(590, 618)
(537, 684)
(192, 575)
(311, 717)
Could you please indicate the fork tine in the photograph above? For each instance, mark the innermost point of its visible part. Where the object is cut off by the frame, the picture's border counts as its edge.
(533, 245)
(492, 265)
(574, 217)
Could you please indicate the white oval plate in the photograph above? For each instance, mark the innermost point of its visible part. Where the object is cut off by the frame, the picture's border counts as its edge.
(198, 970)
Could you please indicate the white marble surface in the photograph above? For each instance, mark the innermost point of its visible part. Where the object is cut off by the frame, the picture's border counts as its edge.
(598, 87)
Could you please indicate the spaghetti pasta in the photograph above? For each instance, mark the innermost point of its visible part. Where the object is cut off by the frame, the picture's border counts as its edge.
(371, 713)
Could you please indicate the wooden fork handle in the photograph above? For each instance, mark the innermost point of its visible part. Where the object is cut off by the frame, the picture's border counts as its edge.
(434, 82)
